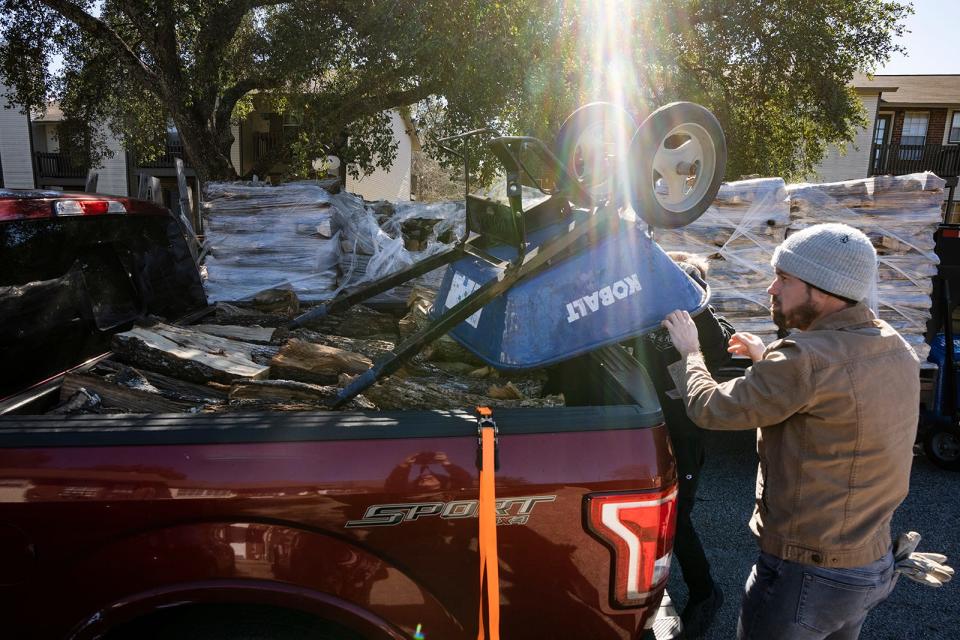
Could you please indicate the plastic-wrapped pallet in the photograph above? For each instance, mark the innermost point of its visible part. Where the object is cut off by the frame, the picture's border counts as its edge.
(371, 249)
(738, 233)
(750, 218)
(900, 215)
(299, 235)
(264, 237)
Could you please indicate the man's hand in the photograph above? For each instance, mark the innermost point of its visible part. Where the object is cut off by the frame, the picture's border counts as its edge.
(746, 344)
(683, 332)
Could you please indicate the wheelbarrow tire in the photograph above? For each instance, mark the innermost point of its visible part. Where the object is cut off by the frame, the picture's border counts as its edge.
(941, 444)
(566, 148)
(678, 121)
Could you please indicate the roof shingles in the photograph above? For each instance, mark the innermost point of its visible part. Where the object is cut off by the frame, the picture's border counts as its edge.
(913, 89)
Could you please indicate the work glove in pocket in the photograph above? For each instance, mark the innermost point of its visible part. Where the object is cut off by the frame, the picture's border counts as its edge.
(926, 568)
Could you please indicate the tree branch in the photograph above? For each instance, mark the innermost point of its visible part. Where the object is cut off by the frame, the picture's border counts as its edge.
(231, 95)
(359, 105)
(167, 51)
(217, 31)
(100, 30)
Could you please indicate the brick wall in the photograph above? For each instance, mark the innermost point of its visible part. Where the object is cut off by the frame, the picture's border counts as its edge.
(897, 126)
(938, 120)
(936, 123)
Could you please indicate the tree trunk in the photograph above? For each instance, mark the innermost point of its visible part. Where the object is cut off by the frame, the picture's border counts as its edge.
(207, 148)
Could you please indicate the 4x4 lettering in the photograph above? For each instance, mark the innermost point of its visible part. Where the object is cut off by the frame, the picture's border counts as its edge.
(526, 504)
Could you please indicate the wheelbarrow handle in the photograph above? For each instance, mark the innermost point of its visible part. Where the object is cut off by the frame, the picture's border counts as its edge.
(354, 296)
(467, 134)
(524, 266)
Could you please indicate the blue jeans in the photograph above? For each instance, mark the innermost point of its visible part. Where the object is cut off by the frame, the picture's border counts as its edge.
(790, 601)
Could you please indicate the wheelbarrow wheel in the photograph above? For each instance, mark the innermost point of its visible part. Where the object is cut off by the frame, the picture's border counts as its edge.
(589, 143)
(677, 160)
(941, 444)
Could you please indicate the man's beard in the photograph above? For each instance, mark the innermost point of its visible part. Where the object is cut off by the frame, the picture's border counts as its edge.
(799, 317)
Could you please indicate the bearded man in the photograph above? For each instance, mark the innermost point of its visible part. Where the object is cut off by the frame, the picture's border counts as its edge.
(835, 405)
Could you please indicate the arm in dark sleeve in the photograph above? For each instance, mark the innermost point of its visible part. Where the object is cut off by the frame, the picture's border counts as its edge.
(713, 340)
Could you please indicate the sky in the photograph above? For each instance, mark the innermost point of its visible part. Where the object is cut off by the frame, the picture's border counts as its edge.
(930, 45)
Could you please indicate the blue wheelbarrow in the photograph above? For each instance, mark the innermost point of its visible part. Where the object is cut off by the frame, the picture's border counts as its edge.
(538, 280)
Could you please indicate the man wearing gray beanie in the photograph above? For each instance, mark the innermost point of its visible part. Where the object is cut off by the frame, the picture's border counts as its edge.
(835, 405)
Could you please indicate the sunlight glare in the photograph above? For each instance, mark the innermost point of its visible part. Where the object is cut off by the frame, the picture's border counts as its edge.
(611, 76)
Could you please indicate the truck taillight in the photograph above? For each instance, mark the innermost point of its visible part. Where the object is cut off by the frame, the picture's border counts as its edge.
(638, 528)
(87, 207)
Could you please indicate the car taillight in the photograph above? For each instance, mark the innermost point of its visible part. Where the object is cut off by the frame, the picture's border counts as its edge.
(87, 207)
(639, 529)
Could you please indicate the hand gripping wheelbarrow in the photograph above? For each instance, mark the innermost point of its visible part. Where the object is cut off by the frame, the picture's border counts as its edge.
(535, 281)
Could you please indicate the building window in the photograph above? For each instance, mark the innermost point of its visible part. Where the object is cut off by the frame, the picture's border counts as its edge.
(880, 129)
(914, 129)
(913, 136)
(954, 136)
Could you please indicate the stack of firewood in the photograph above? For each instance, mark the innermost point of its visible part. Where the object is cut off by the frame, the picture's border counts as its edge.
(379, 239)
(301, 236)
(750, 218)
(261, 237)
(242, 356)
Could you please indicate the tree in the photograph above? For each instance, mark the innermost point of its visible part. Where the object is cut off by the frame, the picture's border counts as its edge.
(775, 72)
(337, 63)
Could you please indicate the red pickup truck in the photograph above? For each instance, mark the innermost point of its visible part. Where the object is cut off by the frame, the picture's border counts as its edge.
(296, 525)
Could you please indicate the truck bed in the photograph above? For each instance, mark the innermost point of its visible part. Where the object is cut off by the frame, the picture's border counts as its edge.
(120, 520)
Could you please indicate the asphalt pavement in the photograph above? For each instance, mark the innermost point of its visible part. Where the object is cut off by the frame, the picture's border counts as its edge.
(724, 505)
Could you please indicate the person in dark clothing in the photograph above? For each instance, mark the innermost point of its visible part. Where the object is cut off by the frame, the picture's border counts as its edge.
(656, 352)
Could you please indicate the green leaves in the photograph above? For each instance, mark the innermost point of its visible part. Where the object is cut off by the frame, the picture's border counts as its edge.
(775, 72)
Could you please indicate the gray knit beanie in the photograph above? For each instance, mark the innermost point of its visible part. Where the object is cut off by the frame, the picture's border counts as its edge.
(834, 257)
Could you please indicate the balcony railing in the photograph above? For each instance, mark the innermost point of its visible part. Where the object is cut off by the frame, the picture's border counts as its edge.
(166, 160)
(265, 142)
(899, 159)
(59, 165)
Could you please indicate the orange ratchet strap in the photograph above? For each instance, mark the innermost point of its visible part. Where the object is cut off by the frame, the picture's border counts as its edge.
(487, 441)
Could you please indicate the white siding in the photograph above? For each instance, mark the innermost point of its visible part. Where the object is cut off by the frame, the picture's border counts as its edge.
(113, 173)
(15, 146)
(235, 147)
(395, 183)
(855, 164)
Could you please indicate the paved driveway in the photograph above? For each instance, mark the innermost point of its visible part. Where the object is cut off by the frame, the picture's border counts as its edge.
(725, 501)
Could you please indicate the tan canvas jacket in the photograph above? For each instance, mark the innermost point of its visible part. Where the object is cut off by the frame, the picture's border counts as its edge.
(835, 408)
